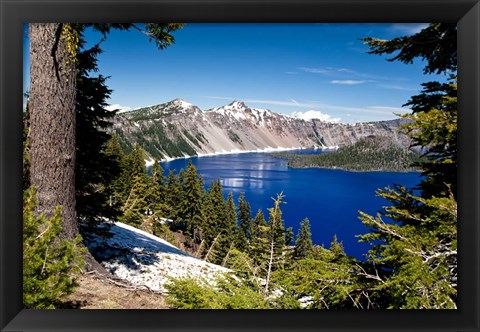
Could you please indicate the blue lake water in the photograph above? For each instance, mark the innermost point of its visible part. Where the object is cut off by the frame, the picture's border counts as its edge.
(329, 198)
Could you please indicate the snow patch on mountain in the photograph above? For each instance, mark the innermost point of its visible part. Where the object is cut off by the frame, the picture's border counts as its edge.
(145, 259)
(182, 103)
(119, 108)
(178, 129)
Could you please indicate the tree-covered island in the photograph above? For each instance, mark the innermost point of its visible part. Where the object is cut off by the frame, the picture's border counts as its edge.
(369, 154)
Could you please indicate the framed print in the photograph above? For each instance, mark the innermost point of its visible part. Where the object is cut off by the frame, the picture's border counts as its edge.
(315, 158)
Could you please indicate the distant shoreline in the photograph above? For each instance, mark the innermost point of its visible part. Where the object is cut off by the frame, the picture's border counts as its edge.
(413, 170)
(149, 162)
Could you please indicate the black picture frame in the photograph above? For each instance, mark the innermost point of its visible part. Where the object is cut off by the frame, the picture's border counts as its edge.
(13, 13)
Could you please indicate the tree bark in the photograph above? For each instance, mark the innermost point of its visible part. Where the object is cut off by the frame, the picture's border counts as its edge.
(52, 123)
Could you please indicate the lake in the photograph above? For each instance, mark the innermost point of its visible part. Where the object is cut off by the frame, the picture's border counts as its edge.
(329, 198)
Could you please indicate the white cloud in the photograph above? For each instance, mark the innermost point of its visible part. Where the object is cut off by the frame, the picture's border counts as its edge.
(377, 110)
(312, 114)
(390, 109)
(348, 82)
(327, 70)
(118, 107)
(396, 87)
(346, 75)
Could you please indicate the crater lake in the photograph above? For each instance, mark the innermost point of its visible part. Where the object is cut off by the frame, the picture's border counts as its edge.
(329, 198)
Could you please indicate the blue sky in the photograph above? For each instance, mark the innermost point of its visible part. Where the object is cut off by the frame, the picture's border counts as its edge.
(286, 68)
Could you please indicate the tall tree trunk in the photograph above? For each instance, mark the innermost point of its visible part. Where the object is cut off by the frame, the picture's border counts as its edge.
(52, 123)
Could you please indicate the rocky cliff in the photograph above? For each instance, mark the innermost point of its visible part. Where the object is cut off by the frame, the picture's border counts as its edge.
(178, 128)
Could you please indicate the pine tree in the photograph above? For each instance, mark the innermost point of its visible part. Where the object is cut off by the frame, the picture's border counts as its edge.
(115, 188)
(434, 129)
(288, 236)
(337, 249)
(245, 224)
(192, 209)
(220, 219)
(277, 237)
(303, 243)
(132, 167)
(434, 126)
(259, 244)
(95, 170)
(136, 163)
(415, 257)
(173, 198)
(156, 192)
(276, 225)
(228, 228)
(215, 211)
(136, 203)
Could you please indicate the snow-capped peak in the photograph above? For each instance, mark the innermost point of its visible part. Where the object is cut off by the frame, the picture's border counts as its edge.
(237, 105)
(182, 103)
(236, 109)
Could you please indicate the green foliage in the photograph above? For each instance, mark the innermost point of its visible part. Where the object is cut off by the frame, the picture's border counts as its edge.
(417, 253)
(220, 222)
(367, 154)
(414, 251)
(191, 206)
(163, 231)
(94, 168)
(434, 129)
(173, 197)
(245, 228)
(258, 247)
(136, 203)
(136, 163)
(132, 169)
(276, 234)
(337, 250)
(156, 195)
(160, 33)
(303, 243)
(230, 216)
(159, 139)
(436, 44)
(234, 137)
(50, 266)
(228, 293)
(318, 282)
(215, 211)
(288, 236)
(276, 226)
(116, 188)
(325, 283)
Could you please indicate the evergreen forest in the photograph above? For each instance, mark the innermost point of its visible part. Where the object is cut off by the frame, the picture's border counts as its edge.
(412, 263)
(368, 154)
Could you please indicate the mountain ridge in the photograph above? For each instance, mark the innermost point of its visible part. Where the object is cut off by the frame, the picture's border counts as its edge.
(177, 129)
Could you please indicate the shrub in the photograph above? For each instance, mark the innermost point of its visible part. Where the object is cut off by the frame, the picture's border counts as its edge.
(50, 265)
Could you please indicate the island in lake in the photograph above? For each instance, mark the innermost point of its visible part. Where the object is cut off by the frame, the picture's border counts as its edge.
(369, 154)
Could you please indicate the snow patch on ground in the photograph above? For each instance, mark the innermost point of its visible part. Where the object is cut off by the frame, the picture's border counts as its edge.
(145, 259)
(149, 162)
